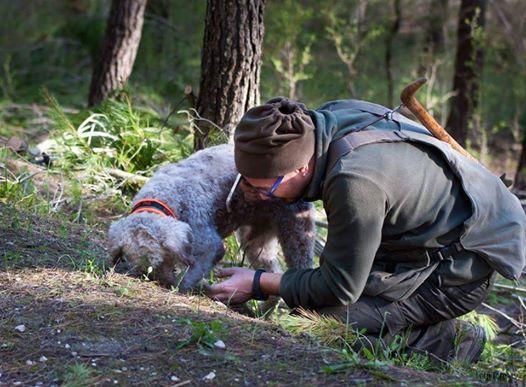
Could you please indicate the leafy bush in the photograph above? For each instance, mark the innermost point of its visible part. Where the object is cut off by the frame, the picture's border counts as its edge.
(116, 136)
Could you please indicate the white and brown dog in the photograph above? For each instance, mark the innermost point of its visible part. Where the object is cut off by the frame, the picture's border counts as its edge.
(180, 218)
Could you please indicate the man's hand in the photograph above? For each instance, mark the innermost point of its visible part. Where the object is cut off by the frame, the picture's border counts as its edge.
(236, 289)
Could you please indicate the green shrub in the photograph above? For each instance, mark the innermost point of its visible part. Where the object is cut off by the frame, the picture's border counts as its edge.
(115, 136)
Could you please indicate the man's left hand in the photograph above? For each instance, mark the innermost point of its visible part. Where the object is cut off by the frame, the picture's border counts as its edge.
(236, 289)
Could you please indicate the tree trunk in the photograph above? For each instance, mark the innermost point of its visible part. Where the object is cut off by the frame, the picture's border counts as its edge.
(434, 35)
(468, 66)
(395, 27)
(121, 42)
(230, 65)
(520, 174)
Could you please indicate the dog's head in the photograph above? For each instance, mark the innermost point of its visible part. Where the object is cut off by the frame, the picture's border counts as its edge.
(150, 240)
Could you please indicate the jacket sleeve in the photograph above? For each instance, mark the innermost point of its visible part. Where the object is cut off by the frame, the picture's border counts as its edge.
(355, 208)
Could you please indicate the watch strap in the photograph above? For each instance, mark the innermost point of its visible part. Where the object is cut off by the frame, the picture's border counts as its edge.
(257, 294)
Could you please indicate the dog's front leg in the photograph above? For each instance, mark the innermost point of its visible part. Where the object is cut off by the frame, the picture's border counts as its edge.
(205, 257)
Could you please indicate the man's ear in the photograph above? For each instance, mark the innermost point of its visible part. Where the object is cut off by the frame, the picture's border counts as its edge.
(303, 171)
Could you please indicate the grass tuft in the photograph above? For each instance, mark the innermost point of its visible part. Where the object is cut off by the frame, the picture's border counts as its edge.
(79, 375)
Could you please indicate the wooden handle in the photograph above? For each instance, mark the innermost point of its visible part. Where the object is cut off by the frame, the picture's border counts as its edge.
(409, 100)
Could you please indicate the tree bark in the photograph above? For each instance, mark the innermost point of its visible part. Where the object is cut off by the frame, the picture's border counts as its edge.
(520, 174)
(230, 65)
(468, 66)
(434, 35)
(121, 42)
(395, 27)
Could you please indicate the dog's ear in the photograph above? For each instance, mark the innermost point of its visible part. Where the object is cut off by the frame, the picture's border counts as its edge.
(115, 236)
(177, 242)
(145, 236)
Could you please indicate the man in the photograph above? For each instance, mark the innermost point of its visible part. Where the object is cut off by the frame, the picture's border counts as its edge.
(416, 231)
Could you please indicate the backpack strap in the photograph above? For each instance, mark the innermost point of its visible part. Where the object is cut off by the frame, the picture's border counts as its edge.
(340, 147)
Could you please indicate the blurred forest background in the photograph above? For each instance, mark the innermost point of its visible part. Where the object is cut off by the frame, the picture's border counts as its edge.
(313, 51)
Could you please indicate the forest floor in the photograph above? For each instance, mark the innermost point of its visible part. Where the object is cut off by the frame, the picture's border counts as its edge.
(67, 318)
(63, 321)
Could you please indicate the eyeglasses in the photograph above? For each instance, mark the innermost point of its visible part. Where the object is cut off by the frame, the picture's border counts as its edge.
(263, 191)
(257, 190)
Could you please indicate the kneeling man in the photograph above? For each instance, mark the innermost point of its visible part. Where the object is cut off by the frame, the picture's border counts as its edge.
(416, 230)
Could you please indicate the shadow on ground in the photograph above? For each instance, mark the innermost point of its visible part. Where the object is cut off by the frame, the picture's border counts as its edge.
(64, 320)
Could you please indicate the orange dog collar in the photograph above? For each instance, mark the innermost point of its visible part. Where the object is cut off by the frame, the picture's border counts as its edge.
(154, 206)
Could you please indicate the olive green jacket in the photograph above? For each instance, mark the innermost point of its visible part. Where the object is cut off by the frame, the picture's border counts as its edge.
(385, 201)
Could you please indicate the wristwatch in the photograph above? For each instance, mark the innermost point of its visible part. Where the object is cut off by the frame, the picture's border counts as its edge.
(256, 288)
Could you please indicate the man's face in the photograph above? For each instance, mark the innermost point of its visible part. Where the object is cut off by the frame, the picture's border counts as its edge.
(264, 189)
(290, 188)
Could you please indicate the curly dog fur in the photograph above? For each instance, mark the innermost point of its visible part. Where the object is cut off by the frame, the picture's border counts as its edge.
(196, 190)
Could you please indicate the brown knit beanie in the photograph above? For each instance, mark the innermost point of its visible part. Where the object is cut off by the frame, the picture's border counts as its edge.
(274, 139)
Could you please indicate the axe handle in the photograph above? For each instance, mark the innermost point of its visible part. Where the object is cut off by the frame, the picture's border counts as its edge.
(408, 99)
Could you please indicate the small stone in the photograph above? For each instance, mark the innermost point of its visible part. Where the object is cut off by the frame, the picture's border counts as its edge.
(30, 362)
(94, 364)
(20, 328)
(17, 383)
(74, 353)
(220, 344)
(67, 346)
(124, 369)
(118, 371)
(174, 378)
(211, 376)
(42, 359)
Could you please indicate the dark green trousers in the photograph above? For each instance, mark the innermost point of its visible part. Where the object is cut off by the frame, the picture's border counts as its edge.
(425, 319)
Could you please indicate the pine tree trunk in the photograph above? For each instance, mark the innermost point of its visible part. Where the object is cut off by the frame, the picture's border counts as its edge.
(230, 65)
(434, 36)
(520, 174)
(395, 27)
(468, 67)
(121, 42)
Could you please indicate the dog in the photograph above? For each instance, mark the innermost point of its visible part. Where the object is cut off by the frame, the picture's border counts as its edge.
(180, 219)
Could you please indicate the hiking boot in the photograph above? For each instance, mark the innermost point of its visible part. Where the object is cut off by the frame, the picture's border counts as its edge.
(469, 342)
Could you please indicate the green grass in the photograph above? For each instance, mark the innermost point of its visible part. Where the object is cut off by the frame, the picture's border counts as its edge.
(498, 362)
(115, 135)
(79, 375)
(202, 334)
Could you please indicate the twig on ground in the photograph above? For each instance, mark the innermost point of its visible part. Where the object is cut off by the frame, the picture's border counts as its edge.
(510, 288)
(126, 175)
(182, 383)
(28, 176)
(510, 319)
(55, 203)
(79, 212)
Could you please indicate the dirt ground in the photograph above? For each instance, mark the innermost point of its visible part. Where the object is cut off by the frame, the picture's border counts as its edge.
(64, 322)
